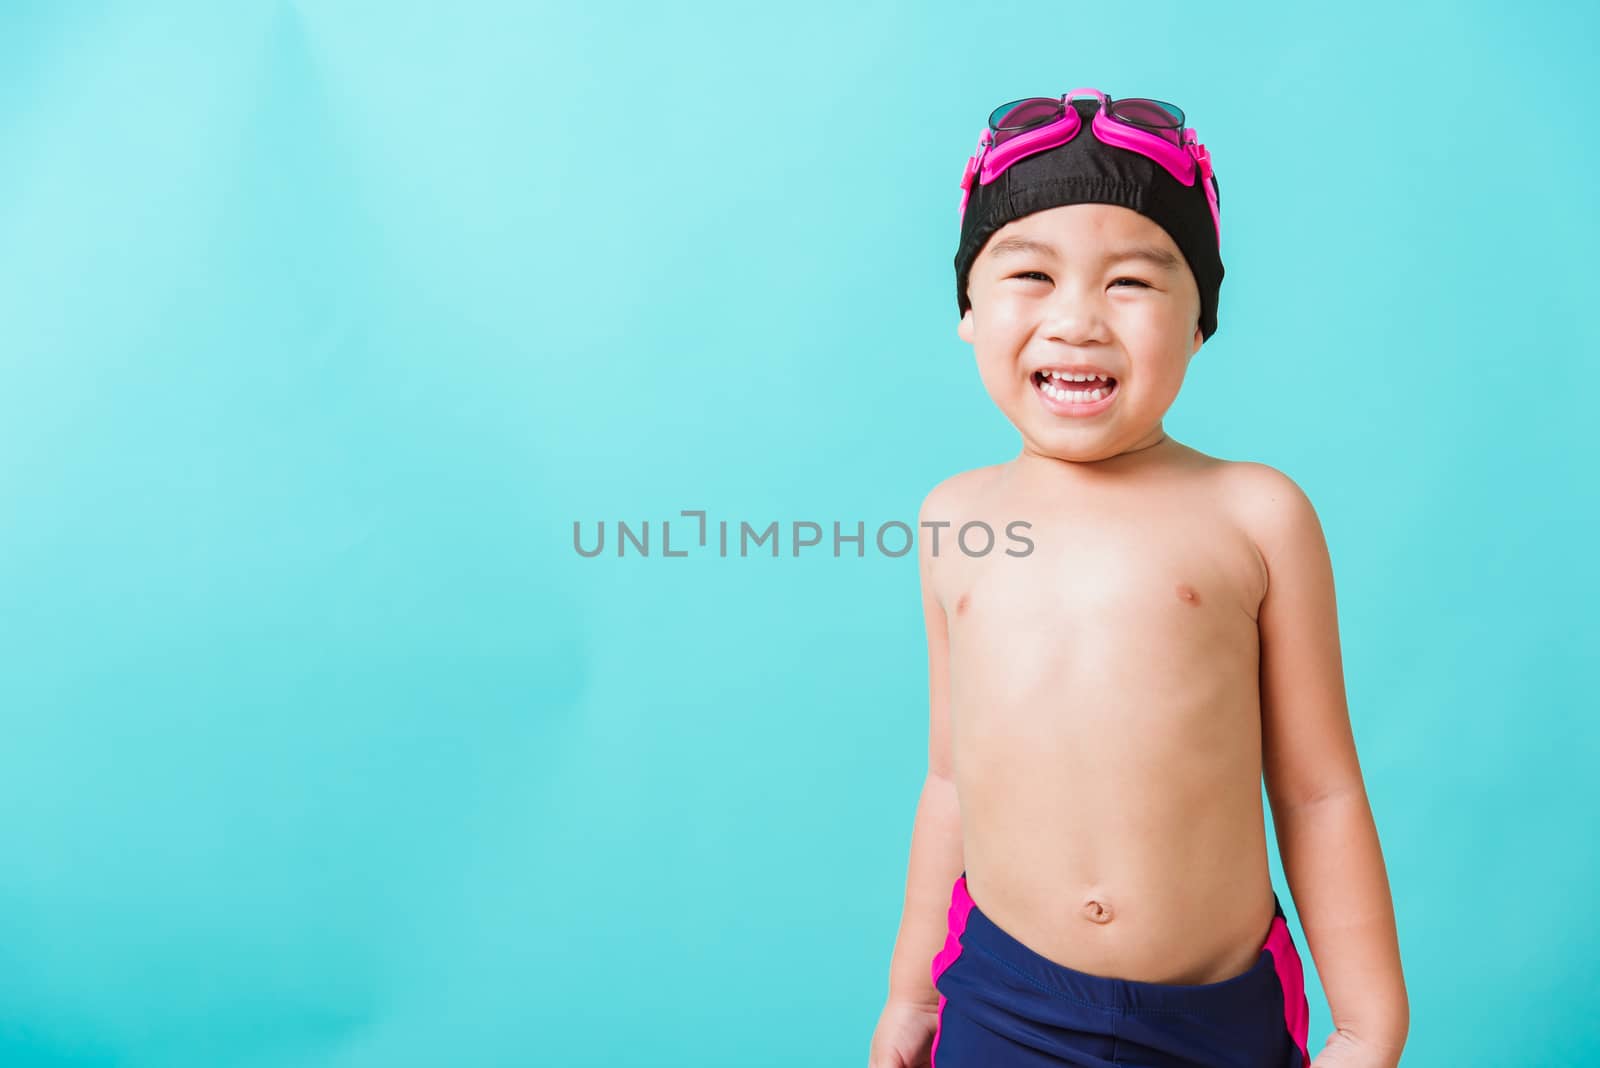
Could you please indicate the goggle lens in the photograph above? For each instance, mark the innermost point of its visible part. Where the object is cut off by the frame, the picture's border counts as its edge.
(1158, 117)
(1008, 120)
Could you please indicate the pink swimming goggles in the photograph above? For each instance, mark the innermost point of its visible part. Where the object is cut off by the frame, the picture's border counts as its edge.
(1151, 128)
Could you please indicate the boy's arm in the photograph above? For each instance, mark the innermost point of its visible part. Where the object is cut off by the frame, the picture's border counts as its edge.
(936, 852)
(1326, 835)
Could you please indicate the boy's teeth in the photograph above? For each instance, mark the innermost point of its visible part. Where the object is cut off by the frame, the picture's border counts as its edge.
(1077, 389)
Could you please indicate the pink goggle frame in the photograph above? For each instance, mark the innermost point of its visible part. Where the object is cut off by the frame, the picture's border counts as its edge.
(1176, 147)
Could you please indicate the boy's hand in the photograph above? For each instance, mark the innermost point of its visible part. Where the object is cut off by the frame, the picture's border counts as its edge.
(904, 1036)
(1344, 1050)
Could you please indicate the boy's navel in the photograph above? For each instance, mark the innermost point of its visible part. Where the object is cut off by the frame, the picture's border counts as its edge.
(962, 602)
(1097, 911)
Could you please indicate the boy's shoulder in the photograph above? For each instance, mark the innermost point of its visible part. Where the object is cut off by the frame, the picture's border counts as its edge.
(952, 495)
(1270, 506)
(1260, 489)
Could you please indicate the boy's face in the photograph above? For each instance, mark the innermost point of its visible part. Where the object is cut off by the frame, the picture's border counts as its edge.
(1078, 303)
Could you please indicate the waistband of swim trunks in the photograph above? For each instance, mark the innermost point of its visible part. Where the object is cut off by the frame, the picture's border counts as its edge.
(1127, 995)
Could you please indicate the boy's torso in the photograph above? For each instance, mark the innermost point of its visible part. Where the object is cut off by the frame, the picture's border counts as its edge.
(1105, 717)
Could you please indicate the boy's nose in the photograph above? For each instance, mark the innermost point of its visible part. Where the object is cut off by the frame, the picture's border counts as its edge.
(1075, 320)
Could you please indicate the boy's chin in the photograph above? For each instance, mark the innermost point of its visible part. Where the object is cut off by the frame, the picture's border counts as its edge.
(1085, 448)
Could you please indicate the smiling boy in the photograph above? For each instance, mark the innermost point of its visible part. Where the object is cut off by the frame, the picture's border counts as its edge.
(1089, 882)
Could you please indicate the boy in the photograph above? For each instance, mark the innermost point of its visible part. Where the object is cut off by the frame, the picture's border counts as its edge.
(1088, 882)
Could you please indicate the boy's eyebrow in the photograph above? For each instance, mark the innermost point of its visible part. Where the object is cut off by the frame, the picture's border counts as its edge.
(1017, 245)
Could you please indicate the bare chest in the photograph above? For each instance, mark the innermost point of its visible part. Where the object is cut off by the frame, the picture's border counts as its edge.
(1105, 611)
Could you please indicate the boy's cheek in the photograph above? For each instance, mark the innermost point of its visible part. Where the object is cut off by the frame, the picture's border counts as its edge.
(1003, 382)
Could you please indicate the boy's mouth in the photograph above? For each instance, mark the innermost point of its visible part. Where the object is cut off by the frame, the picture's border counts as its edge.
(1074, 393)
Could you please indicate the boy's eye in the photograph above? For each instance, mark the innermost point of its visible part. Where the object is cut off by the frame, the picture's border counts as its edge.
(1045, 277)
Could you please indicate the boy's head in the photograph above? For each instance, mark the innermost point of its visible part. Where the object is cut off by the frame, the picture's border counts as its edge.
(1086, 170)
(1087, 257)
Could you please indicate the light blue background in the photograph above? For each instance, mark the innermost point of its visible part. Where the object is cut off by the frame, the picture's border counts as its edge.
(321, 323)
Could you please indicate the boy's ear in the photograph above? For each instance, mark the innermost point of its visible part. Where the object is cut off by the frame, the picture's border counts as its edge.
(964, 328)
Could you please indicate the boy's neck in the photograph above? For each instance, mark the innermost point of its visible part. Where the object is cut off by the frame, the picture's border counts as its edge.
(1139, 458)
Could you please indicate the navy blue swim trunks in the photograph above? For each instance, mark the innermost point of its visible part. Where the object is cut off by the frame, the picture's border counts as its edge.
(1002, 1005)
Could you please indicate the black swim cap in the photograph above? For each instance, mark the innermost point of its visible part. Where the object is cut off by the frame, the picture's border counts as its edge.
(1086, 170)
